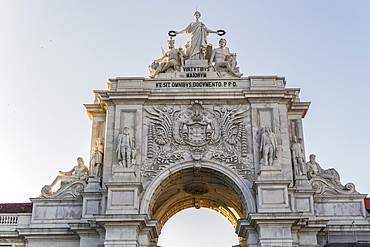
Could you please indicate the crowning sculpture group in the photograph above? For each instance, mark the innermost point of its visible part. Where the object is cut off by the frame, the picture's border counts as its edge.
(195, 121)
(196, 49)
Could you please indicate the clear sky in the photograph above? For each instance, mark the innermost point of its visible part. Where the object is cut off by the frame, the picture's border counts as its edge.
(55, 53)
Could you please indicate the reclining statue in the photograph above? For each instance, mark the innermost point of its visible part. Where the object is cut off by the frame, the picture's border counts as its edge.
(326, 181)
(79, 173)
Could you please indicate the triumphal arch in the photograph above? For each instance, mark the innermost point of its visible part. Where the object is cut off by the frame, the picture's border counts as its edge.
(196, 133)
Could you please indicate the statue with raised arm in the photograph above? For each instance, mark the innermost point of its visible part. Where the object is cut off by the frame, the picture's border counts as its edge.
(125, 149)
(298, 158)
(268, 146)
(97, 159)
(198, 36)
(77, 176)
(172, 60)
(224, 59)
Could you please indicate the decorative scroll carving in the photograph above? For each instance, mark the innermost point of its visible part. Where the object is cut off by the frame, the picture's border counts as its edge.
(72, 183)
(196, 133)
(70, 190)
(326, 181)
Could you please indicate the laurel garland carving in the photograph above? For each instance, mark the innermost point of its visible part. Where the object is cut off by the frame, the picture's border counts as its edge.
(197, 133)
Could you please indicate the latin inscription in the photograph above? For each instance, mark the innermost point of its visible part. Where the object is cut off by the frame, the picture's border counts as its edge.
(197, 84)
(196, 72)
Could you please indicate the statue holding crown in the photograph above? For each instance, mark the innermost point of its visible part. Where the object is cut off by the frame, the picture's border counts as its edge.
(198, 36)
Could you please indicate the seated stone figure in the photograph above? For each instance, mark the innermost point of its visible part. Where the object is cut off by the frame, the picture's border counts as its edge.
(224, 59)
(171, 61)
(78, 173)
(326, 181)
(314, 170)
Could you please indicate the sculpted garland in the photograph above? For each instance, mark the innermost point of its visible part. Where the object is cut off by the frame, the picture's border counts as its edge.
(197, 133)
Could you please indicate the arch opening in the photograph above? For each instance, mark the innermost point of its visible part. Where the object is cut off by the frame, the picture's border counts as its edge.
(197, 227)
(196, 187)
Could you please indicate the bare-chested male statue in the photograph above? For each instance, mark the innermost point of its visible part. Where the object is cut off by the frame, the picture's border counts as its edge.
(224, 59)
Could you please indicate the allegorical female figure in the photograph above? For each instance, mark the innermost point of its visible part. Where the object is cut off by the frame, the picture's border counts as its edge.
(198, 36)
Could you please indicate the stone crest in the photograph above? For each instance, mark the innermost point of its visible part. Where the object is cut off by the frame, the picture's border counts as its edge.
(196, 133)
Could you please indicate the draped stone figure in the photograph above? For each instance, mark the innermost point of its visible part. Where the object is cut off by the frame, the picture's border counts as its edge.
(97, 159)
(298, 158)
(198, 36)
(171, 61)
(268, 146)
(125, 149)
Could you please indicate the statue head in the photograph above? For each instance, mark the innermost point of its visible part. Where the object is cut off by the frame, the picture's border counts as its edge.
(222, 42)
(171, 43)
(125, 130)
(267, 128)
(312, 157)
(98, 141)
(80, 161)
(197, 14)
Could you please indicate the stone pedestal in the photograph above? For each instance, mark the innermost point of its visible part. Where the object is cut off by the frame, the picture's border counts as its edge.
(272, 190)
(123, 192)
(274, 229)
(129, 230)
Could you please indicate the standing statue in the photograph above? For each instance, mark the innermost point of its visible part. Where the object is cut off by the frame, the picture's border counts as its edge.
(97, 159)
(298, 158)
(198, 36)
(173, 58)
(315, 170)
(125, 149)
(268, 146)
(224, 59)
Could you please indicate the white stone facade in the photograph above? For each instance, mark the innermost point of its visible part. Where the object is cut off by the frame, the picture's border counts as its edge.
(194, 134)
(197, 144)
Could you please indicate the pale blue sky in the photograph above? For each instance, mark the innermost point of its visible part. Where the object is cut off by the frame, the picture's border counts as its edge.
(55, 53)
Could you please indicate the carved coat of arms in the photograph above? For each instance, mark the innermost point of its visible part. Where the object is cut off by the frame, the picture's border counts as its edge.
(196, 133)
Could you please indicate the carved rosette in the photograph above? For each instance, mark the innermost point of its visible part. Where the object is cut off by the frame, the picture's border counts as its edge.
(196, 133)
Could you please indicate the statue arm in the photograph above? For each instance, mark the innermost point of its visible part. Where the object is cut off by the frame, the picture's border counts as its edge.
(162, 59)
(212, 57)
(182, 31)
